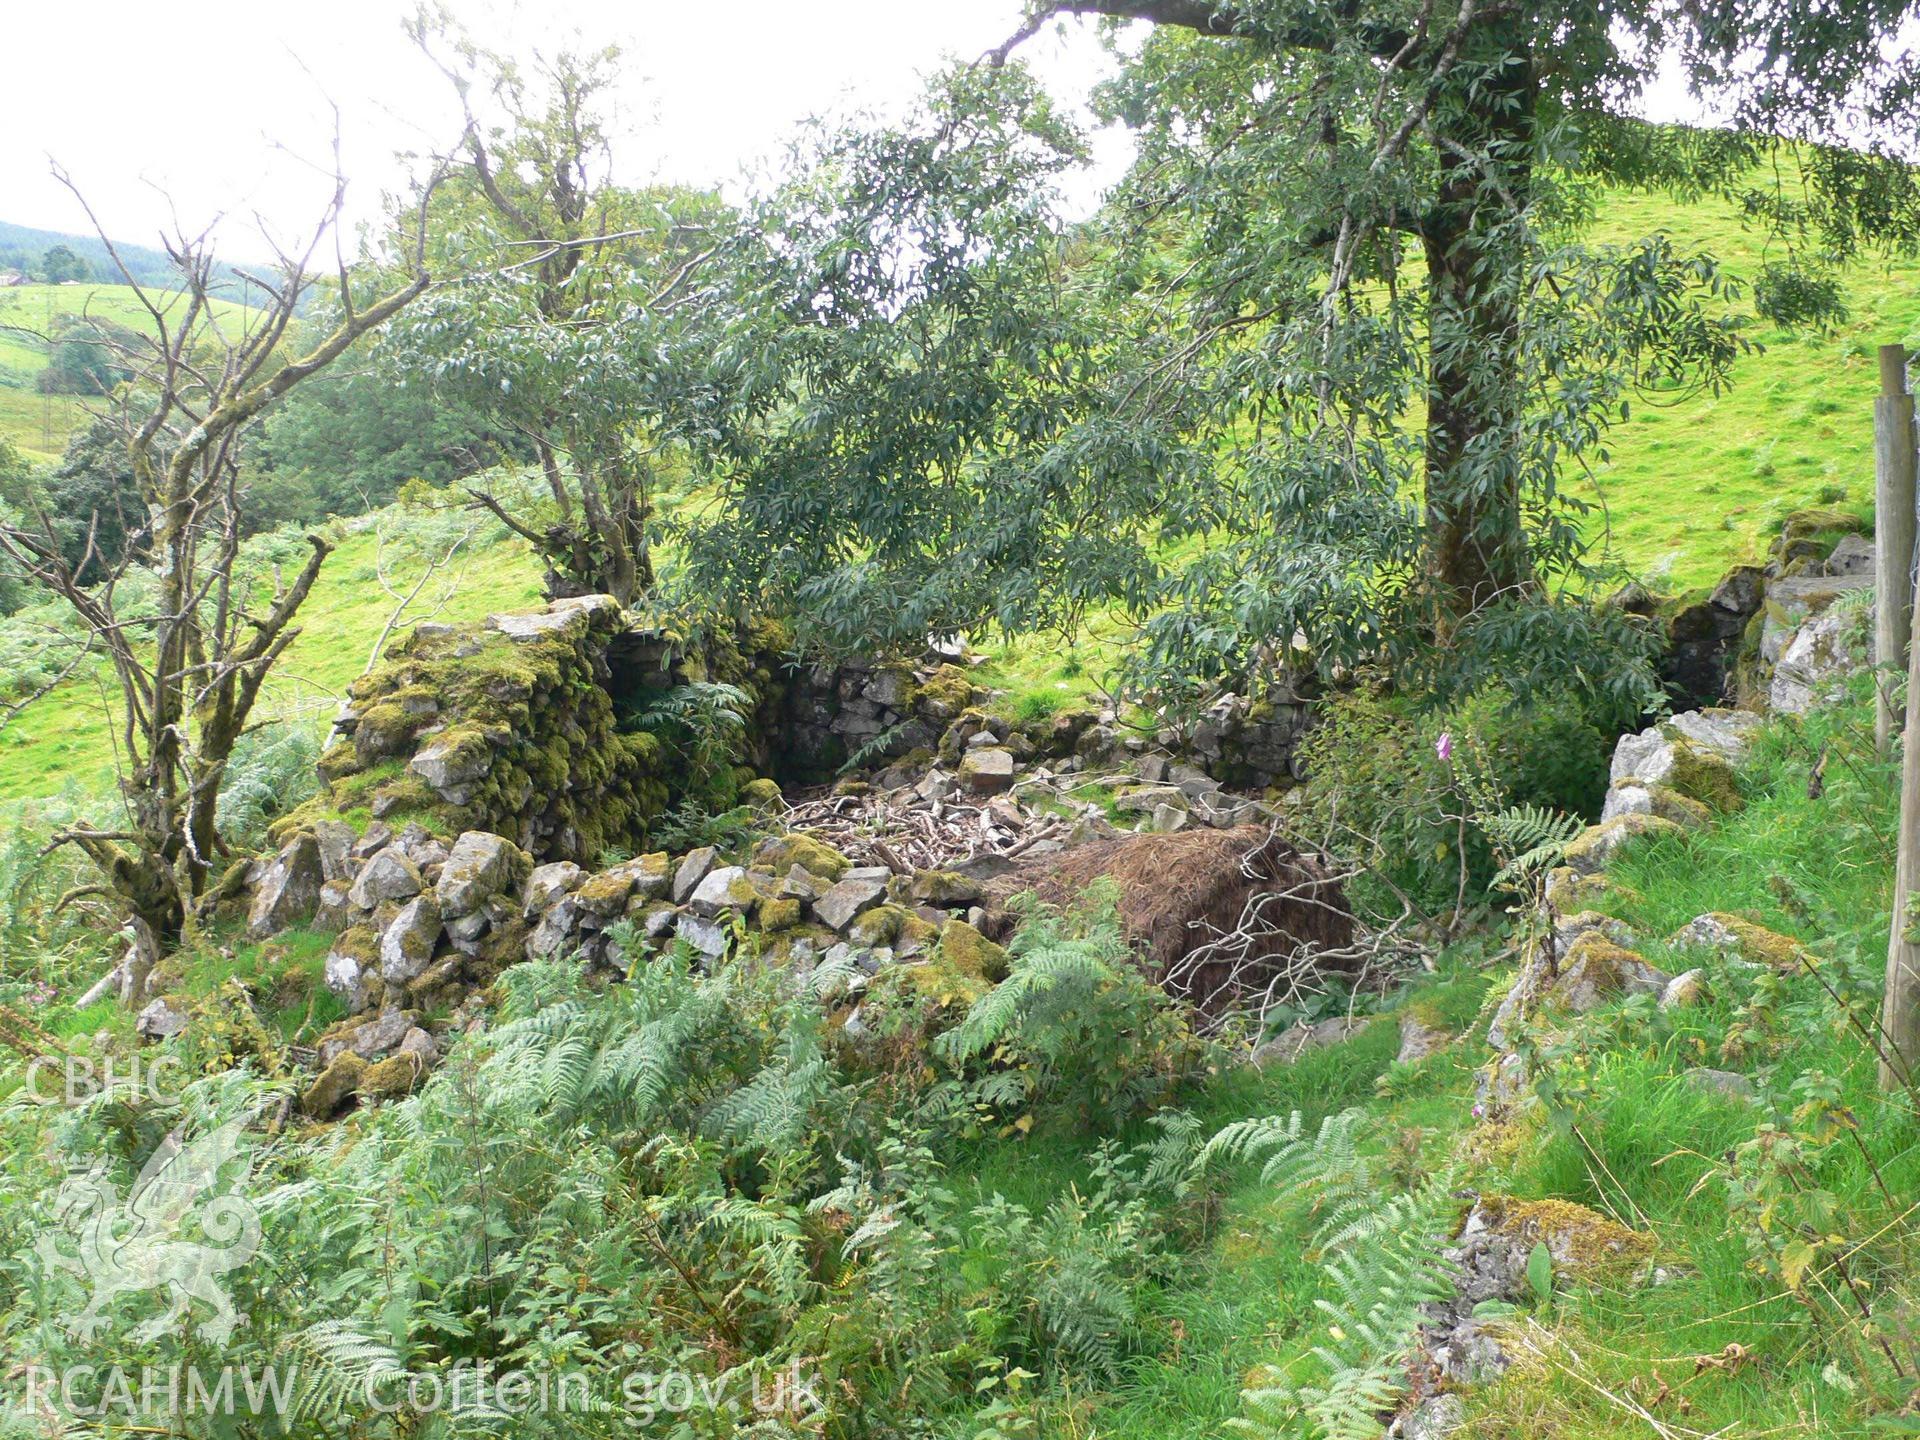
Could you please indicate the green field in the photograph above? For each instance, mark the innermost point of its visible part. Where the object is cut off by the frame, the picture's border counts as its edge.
(36, 424)
(1700, 484)
(66, 737)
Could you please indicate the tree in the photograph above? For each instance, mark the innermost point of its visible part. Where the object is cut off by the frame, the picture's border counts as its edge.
(564, 332)
(192, 639)
(80, 358)
(1353, 313)
(1466, 137)
(900, 414)
(347, 443)
(60, 265)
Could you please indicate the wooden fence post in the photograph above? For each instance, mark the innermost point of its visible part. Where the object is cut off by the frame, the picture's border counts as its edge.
(1894, 446)
(1895, 443)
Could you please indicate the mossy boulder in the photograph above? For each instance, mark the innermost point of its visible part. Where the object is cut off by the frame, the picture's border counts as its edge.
(1633, 798)
(1595, 970)
(1741, 938)
(508, 727)
(780, 852)
(971, 953)
(351, 1077)
(1593, 847)
(945, 694)
(334, 1086)
(1806, 536)
(877, 928)
(944, 887)
(779, 914)
(1497, 1241)
(1699, 775)
(916, 936)
(762, 794)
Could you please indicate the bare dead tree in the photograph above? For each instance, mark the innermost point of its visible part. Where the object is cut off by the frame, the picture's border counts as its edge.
(189, 655)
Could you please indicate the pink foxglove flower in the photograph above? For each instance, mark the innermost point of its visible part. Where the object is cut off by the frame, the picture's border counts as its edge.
(1443, 747)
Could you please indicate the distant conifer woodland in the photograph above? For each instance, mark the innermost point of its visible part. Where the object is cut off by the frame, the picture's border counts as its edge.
(873, 806)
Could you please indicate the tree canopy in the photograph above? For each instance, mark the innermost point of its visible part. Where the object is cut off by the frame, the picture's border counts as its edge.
(1343, 319)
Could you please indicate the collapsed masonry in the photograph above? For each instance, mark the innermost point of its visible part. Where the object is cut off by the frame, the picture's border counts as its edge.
(490, 779)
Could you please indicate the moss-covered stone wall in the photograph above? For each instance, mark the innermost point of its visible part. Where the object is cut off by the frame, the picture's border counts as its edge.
(507, 726)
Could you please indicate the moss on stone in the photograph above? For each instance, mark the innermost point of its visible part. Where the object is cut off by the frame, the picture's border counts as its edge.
(1584, 1243)
(1597, 962)
(359, 943)
(778, 914)
(1703, 776)
(917, 936)
(334, 1086)
(938, 979)
(944, 887)
(1683, 810)
(796, 848)
(1755, 942)
(391, 1078)
(877, 927)
(945, 693)
(970, 952)
(1590, 849)
(605, 893)
(761, 793)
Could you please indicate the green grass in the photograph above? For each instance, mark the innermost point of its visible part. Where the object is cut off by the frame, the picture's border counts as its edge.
(1639, 1143)
(66, 737)
(1690, 489)
(40, 425)
(1698, 485)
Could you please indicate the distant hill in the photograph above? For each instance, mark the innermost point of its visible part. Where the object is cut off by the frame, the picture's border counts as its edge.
(22, 246)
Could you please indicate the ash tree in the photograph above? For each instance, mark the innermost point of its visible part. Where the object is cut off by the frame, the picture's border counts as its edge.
(566, 330)
(1345, 319)
(159, 586)
(901, 423)
(1366, 227)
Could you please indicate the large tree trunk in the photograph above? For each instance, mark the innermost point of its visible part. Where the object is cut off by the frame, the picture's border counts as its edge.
(1476, 544)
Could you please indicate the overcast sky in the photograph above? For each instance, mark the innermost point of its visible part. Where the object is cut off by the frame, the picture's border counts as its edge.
(228, 113)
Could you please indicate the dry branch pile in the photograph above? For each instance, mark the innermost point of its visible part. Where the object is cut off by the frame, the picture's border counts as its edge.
(1223, 917)
(903, 831)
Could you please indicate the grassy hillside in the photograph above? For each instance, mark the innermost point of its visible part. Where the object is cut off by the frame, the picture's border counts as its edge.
(1697, 485)
(66, 738)
(40, 424)
(23, 245)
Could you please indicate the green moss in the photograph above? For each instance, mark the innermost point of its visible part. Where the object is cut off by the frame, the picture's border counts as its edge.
(1670, 804)
(334, 1086)
(916, 935)
(779, 914)
(815, 856)
(1703, 776)
(880, 926)
(1757, 943)
(943, 887)
(946, 693)
(360, 943)
(1584, 1243)
(761, 793)
(392, 1078)
(971, 953)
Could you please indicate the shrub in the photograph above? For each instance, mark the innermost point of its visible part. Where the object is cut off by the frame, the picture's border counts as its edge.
(1380, 793)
